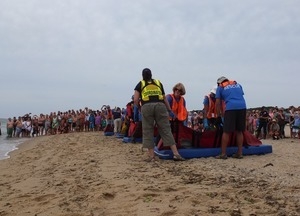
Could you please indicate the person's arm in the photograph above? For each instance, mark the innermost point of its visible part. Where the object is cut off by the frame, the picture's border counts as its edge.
(103, 107)
(136, 98)
(135, 113)
(167, 104)
(169, 99)
(277, 127)
(218, 107)
(187, 115)
(206, 106)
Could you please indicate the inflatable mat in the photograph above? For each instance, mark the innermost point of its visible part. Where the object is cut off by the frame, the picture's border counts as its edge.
(129, 140)
(118, 135)
(109, 133)
(212, 152)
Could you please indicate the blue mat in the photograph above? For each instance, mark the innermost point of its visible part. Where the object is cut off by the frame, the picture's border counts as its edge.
(129, 140)
(118, 135)
(212, 152)
(108, 133)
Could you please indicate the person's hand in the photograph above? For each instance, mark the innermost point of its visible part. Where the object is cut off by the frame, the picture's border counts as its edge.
(219, 120)
(205, 123)
(171, 114)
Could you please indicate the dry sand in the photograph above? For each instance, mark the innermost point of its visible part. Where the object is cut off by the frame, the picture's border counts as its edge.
(88, 174)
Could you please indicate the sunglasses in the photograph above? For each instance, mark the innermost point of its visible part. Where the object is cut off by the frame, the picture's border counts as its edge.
(176, 89)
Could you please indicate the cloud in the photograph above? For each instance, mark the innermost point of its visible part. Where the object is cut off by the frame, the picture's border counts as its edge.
(95, 50)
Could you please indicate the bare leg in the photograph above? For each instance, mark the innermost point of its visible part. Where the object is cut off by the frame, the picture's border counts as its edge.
(174, 149)
(151, 152)
(225, 140)
(177, 156)
(239, 142)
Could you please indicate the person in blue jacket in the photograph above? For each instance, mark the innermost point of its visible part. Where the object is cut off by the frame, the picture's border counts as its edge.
(235, 114)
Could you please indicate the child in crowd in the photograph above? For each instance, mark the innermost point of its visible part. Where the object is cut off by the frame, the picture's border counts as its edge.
(296, 125)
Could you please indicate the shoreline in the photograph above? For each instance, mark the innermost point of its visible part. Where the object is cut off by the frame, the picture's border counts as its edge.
(9, 145)
(91, 174)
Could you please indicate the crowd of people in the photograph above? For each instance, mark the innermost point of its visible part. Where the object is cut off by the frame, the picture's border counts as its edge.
(223, 106)
(273, 123)
(64, 122)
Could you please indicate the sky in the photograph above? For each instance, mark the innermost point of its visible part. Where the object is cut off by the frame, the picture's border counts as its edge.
(57, 55)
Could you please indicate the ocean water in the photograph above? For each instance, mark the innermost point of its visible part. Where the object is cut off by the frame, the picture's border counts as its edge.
(8, 144)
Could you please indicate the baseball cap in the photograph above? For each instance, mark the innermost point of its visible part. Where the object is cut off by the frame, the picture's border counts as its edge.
(221, 79)
(214, 89)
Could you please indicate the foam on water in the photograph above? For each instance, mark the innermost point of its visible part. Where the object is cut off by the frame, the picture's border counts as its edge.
(8, 145)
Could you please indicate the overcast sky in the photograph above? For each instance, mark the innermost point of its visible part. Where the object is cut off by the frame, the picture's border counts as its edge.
(57, 55)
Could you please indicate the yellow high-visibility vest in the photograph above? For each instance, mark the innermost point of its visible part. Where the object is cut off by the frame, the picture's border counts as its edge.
(151, 89)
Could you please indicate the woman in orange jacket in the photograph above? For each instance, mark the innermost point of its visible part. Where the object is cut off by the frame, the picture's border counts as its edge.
(177, 103)
(178, 113)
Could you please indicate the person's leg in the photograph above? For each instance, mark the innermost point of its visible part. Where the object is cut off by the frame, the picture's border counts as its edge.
(9, 132)
(258, 132)
(151, 153)
(164, 129)
(115, 126)
(265, 125)
(175, 150)
(282, 132)
(148, 127)
(228, 128)
(224, 143)
(239, 142)
(240, 127)
(119, 125)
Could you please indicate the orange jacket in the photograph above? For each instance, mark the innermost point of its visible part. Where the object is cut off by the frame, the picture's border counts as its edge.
(178, 108)
(211, 112)
(109, 114)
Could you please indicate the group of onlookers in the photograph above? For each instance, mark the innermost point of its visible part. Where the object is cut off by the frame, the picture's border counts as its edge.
(263, 123)
(62, 122)
(272, 122)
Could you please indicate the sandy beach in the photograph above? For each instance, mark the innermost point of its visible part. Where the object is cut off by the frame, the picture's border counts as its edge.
(88, 174)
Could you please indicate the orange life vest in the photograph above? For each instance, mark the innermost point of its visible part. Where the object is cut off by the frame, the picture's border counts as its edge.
(178, 108)
(230, 82)
(211, 113)
(109, 114)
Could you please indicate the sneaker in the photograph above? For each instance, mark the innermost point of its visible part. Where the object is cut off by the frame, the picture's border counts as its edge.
(224, 157)
(178, 158)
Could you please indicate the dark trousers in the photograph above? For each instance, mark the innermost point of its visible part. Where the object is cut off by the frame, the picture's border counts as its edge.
(262, 125)
(282, 133)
